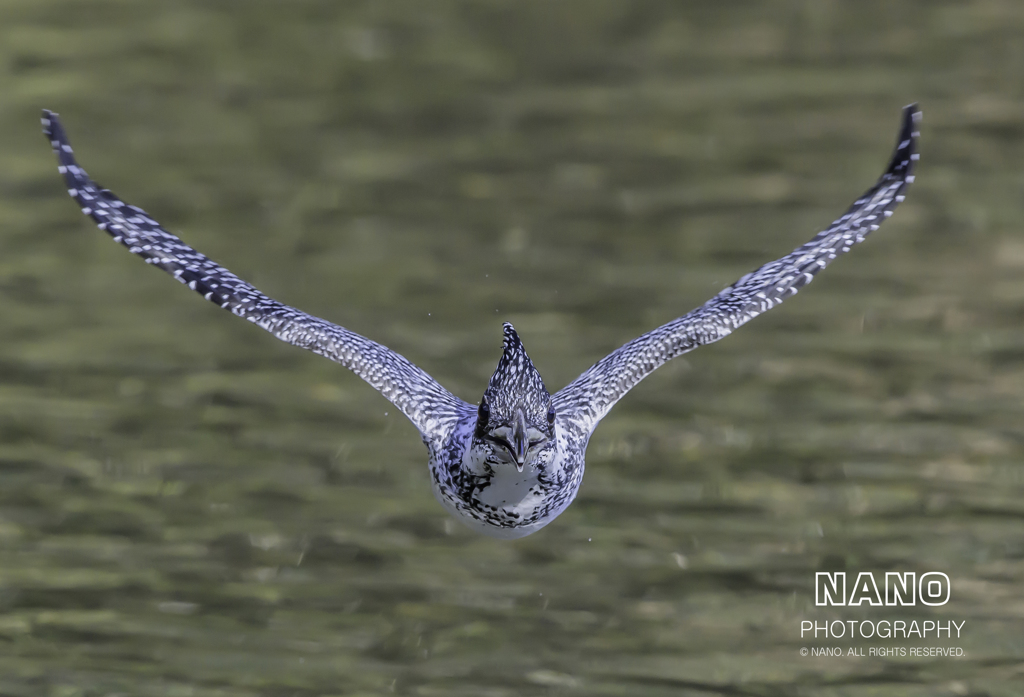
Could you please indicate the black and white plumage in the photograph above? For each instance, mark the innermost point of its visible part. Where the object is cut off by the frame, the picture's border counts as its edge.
(510, 465)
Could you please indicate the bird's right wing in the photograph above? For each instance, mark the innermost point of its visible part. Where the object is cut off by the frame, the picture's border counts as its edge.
(430, 407)
(588, 398)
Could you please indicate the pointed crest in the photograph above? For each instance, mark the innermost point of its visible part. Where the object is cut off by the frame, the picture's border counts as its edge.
(515, 381)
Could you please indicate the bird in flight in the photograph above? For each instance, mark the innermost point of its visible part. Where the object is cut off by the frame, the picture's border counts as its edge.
(511, 464)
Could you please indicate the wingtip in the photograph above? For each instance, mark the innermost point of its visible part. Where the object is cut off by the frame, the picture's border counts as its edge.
(54, 132)
(912, 115)
(49, 120)
(52, 128)
(905, 155)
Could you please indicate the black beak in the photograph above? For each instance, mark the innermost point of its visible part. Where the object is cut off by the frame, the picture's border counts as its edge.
(520, 441)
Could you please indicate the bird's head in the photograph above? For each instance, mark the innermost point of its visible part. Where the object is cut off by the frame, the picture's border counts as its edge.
(516, 418)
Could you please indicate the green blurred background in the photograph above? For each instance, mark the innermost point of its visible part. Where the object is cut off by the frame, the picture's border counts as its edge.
(189, 507)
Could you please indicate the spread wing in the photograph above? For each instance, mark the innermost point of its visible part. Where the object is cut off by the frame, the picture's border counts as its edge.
(431, 408)
(588, 398)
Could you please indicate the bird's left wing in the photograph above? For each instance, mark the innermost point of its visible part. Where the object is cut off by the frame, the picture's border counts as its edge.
(430, 407)
(587, 399)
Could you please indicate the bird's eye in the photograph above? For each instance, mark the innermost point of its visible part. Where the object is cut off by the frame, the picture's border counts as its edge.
(551, 416)
(483, 416)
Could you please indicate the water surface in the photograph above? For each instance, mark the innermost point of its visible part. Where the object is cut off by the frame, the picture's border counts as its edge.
(189, 507)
